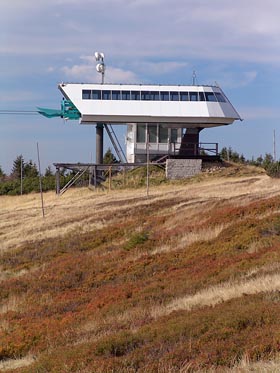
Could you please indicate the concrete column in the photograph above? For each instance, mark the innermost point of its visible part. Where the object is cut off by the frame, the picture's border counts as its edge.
(190, 142)
(99, 142)
(57, 180)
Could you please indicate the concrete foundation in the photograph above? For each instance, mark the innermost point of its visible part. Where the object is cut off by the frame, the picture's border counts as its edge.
(182, 168)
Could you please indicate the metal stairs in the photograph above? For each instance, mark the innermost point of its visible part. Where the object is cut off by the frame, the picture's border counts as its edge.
(115, 143)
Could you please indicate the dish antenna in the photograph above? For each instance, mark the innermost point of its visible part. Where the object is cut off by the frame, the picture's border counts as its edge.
(100, 67)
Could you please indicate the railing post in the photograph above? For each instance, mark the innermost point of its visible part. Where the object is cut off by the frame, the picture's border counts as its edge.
(57, 180)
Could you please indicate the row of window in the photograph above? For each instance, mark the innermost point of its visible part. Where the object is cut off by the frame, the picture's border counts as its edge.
(157, 134)
(88, 94)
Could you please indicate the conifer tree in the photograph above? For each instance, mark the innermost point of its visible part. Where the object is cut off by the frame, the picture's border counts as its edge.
(18, 167)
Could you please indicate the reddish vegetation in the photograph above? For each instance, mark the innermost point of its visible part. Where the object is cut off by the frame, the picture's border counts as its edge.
(83, 305)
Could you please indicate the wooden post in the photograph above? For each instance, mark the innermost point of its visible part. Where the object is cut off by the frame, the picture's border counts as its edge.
(110, 178)
(57, 180)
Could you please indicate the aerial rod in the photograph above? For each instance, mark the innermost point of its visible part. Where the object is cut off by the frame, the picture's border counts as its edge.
(100, 67)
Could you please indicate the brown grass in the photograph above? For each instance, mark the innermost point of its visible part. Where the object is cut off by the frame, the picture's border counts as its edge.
(206, 244)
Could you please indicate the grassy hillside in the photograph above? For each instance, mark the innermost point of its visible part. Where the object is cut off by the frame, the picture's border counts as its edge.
(185, 280)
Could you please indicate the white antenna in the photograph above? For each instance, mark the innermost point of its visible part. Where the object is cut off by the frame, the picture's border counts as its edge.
(274, 146)
(194, 80)
(100, 67)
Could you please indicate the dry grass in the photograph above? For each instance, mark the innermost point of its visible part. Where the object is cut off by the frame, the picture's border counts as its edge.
(16, 363)
(187, 239)
(221, 293)
(82, 210)
(245, 366)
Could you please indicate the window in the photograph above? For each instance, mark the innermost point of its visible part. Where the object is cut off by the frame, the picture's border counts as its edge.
(86, 94)
(164, 96)
(155, 96)
(135, 95)
(184, 96)
(152, 133)
(174, 96)
(141, 133)
(106, 95)
(210, 96)
(96, 95)
(116, 95)
(174, 135)
(163, 134)
(193, 96)
(125, 95)
(220, 97)
(145, 95)
(201, 96)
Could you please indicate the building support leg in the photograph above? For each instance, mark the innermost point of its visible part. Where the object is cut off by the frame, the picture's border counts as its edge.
(57, 180)
(190, 142)
(99, 143)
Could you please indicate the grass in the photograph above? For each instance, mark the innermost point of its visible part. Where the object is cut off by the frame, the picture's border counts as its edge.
(186, 280)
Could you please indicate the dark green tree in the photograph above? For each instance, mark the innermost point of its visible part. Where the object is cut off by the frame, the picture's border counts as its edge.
(30, 170)
(267, 161)
(18, 167)
(2, 173)
(48, 171)
(109, 157)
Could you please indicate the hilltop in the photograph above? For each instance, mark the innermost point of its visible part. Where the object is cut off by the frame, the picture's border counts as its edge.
(185, 280)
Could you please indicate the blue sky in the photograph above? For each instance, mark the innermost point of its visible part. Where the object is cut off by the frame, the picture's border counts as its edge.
(234, 43)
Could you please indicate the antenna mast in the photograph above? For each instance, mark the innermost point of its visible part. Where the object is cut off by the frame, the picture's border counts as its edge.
(274, 146)
(100, 67)
(194, 80)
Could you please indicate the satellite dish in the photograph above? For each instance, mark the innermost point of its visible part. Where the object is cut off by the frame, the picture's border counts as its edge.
(99, 56)
(100, 67)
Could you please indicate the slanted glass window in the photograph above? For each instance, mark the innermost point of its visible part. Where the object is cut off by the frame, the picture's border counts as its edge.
(220, 97)
(116, 95)
(86, 94)
(184, 96)
(152, 133)
(106, 95)
(174, 96)
(193, 96)
(96, 95)
(155, 96)
(201, 96)
(174, 135)
(125, 95)
(163, 134)
(135, 95)
(210, 96)
(145, 95)
(141, 133)
(164, 96)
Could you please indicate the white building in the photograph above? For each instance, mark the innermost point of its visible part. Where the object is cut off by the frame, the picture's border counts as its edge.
(167, 118)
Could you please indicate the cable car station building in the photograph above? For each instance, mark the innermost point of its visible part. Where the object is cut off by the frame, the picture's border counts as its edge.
(163, 122)
(167, 118)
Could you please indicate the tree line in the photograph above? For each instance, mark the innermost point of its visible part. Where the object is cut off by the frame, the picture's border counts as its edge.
(24, 176)
(267, 162)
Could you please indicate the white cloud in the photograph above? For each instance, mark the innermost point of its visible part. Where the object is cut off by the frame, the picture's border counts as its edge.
(218, 30)
(87, 72)
(259, 113)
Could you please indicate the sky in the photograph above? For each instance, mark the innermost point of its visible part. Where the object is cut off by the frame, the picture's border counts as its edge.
(235, 43)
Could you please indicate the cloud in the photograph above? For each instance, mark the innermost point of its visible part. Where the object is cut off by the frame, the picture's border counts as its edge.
(132, 29)
(87, 72)
(260, 113)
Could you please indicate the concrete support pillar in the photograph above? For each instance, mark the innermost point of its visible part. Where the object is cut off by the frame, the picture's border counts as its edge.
(190, 142)
(57, 180)
(99, 143)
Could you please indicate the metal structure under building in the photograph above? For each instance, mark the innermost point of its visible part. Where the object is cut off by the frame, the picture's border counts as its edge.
(163, 120)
